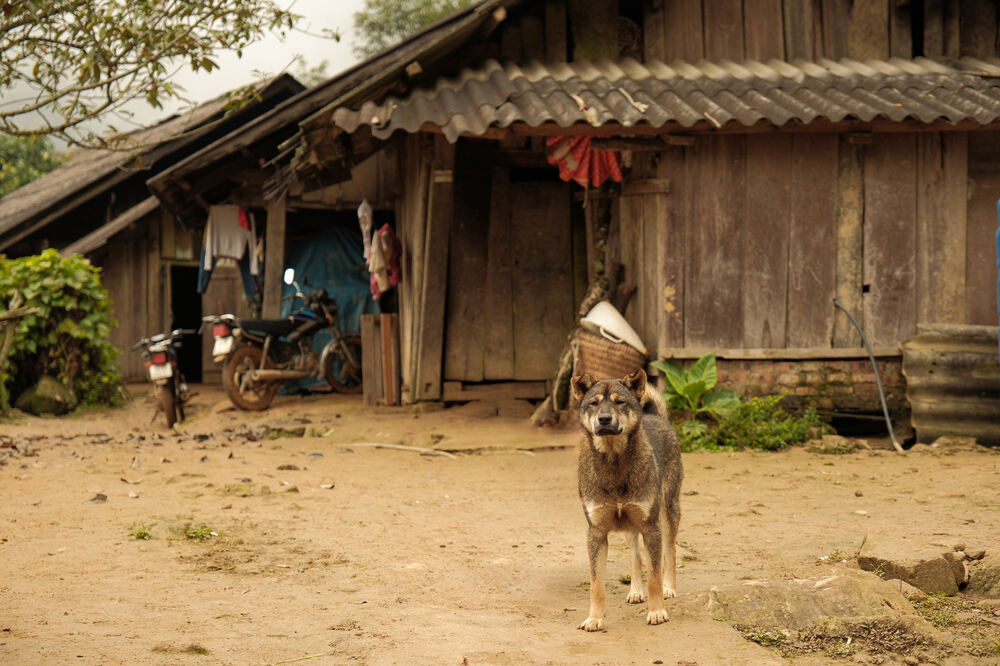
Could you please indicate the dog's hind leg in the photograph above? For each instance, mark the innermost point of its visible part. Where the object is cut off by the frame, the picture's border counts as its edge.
(597, 549)
(670, 518)
(635, 592)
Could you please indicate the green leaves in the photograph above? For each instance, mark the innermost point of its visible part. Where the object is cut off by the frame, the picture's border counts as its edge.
(23, 159)
(691, 389)
(68, 337)
(84, 59)
(382, 23)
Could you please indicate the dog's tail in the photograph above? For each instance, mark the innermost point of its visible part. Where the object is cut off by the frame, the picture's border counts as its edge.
(652, 402)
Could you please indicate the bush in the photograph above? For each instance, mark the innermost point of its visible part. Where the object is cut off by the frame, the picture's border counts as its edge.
(69, 337)
(759, 423)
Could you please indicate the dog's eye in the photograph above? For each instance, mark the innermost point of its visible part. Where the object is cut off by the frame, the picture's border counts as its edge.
(595, 403)
(619, 402)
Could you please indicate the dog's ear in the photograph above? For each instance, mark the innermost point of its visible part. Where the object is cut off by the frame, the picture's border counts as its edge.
(581, 384)
(635, 382)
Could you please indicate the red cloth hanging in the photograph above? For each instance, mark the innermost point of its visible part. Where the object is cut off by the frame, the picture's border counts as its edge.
(579, 162)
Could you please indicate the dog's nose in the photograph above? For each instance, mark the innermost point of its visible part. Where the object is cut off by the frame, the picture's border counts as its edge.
(604, 420)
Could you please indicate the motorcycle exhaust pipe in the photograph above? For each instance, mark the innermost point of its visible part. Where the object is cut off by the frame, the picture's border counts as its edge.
(277, 375)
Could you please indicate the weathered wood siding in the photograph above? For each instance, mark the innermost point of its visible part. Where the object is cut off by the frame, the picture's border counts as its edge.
(787, 29)
(980, 247)
(510, 276)
(758, 234)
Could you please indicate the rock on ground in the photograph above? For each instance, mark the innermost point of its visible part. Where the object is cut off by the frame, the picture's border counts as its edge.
(985, 579)
(48, 396)
(924, 568)
(836, 445)
(801, 603)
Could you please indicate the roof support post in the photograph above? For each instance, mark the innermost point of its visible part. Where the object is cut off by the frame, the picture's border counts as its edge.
(274, 257)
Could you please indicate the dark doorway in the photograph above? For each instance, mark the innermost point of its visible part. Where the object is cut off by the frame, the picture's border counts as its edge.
(185, 306)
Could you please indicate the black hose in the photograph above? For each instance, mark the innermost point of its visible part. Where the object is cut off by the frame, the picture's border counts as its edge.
(878, 379)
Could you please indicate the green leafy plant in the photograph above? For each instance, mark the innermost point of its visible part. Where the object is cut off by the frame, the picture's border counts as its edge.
(694, 389)
(198, 533)
(761, 424)
(68, 338)
(141, 532)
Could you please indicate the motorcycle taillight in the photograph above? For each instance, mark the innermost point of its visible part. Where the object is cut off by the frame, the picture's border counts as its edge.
(158, 358)
(220, 331)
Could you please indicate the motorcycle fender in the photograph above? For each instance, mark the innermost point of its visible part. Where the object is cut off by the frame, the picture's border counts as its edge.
(330, 348)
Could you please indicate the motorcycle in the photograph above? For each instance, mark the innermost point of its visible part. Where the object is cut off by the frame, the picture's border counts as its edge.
(170, 388)
(258, 355)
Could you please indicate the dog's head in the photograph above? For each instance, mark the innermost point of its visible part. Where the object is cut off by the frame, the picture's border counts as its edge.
(609, 406)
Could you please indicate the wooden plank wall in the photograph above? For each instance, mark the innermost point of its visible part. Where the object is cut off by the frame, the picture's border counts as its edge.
(125, 272)
(467, 290)
(411, 215)
(980, 257)
(692, 30)
(758, 234)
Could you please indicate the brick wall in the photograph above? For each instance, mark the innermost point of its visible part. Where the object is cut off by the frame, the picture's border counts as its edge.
(829, 385)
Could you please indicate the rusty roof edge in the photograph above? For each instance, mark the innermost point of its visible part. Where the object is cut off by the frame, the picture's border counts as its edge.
(417, 46)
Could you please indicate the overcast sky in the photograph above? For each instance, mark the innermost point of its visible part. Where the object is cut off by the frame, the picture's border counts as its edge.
(272, 55)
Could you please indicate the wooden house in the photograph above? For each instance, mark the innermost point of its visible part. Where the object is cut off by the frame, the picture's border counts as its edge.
(778, 154)
(97, 204)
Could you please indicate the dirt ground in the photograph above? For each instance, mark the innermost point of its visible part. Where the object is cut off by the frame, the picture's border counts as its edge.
(325, 549)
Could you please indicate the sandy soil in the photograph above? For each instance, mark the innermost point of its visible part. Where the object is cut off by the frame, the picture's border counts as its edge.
(407, 558)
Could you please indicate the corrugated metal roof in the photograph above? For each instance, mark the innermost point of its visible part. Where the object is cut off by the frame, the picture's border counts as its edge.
(953, 382)
(628, 92)
(89, 170)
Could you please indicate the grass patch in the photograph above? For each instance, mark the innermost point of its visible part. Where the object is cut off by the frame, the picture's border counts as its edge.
(238, 489)
(838, 639)
(202, 533)
(141, 532)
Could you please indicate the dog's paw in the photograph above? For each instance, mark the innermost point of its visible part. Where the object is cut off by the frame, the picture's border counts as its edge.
(669, 593)
(657, 617)
(635, 596)
(593, 624)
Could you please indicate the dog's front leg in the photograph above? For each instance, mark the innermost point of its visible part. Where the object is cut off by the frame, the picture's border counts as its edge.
(653, 539)
(597, 550)
(635, 592)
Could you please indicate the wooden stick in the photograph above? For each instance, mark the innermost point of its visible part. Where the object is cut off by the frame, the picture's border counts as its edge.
(19, 312)
(398, 447)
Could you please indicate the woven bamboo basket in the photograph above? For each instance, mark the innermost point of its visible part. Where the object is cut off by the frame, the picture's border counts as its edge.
(604, 359)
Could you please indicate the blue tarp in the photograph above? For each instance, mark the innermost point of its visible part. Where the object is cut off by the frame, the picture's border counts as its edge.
(334, 260)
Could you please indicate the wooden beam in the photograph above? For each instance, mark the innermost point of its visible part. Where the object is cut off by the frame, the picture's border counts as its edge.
(274, 258)
(459, 392)
(646, 186)
(790, 354)
(850, 243)
(440, 209)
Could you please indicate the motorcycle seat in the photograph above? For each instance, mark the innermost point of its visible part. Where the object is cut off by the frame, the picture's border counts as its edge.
(274, 326)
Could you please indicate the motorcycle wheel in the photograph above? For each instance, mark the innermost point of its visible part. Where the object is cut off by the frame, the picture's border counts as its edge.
(250, 398)
(343, 375)
(165, 399)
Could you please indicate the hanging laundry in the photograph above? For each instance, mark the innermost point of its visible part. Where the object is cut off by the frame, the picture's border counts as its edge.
(383, 261)
(365, 220)
(230, 233)
(579, 162)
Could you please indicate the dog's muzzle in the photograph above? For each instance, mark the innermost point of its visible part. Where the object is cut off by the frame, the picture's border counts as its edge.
(606, 425)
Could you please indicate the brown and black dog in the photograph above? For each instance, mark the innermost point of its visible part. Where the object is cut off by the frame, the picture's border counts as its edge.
(630, 481)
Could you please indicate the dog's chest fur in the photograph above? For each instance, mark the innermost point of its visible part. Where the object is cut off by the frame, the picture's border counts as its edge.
(618, 491)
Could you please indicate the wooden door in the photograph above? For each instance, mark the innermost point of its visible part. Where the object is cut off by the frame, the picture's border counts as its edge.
(510, 282)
